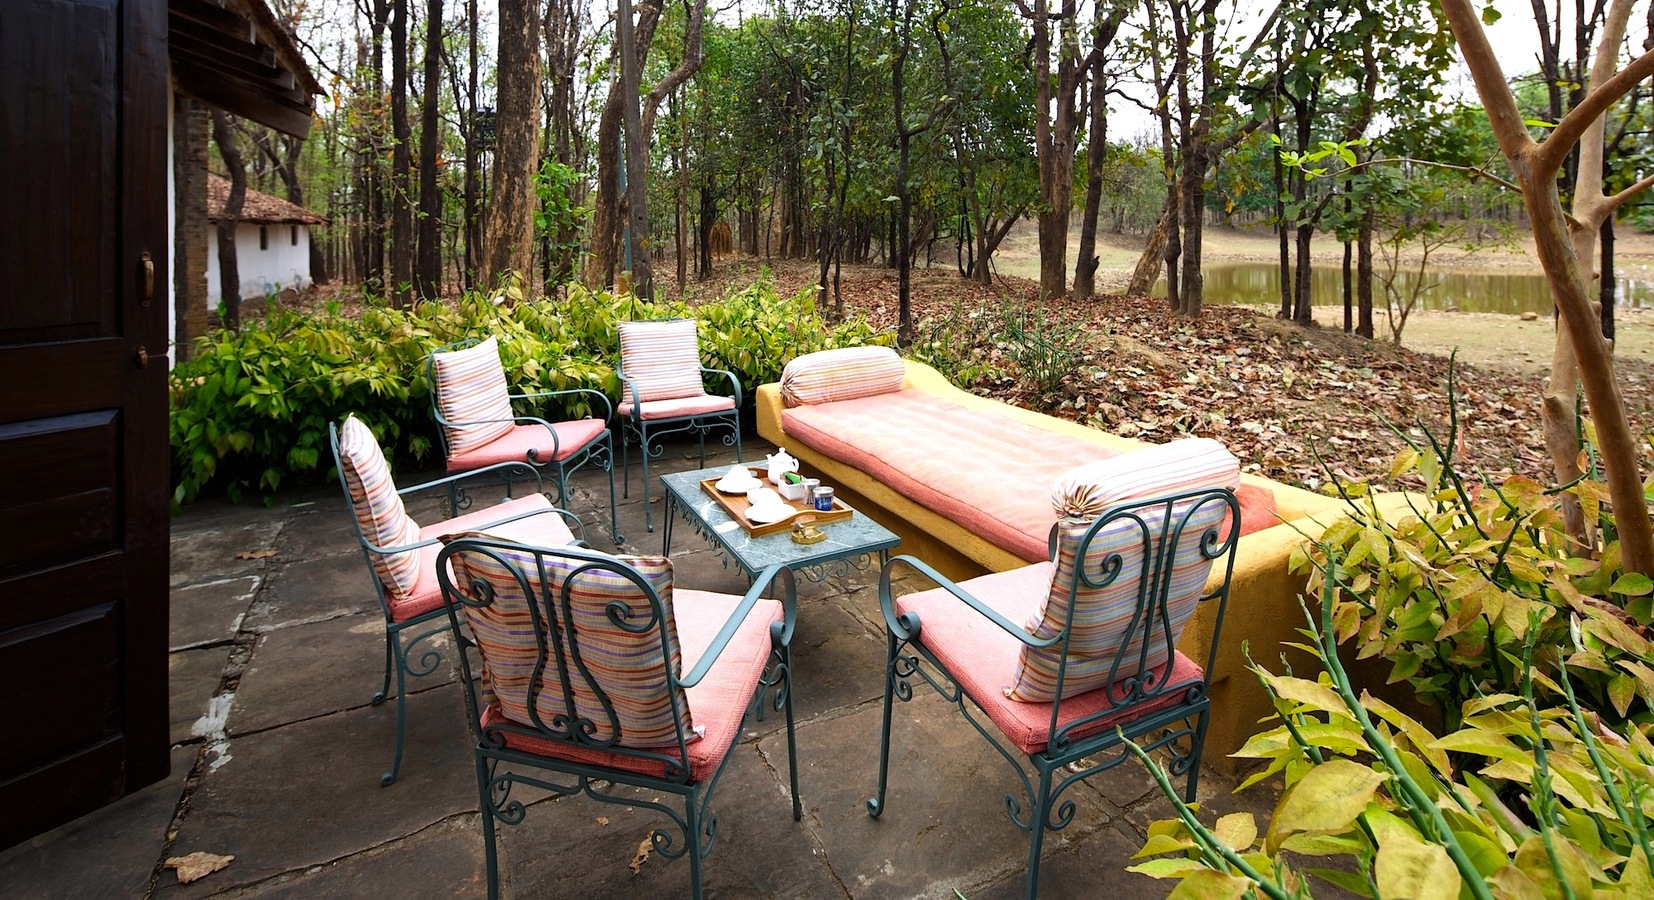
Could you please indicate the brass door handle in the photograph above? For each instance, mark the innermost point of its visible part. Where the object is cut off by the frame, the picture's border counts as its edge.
(148, 263)
(141, 358)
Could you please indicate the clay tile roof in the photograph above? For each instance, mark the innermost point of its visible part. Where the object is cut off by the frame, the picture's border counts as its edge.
(258, 207)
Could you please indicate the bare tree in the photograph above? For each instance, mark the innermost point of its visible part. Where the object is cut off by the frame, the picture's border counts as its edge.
(428, 270)
(229, 274)
(1582, 356)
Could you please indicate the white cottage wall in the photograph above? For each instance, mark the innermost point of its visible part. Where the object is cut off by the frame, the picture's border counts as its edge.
(279, 264)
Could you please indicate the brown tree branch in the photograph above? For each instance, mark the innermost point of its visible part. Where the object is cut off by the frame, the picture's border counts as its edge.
(1567, 132)
(1617, 200)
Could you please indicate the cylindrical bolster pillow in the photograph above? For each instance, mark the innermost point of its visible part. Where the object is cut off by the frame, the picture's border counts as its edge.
(842, 374)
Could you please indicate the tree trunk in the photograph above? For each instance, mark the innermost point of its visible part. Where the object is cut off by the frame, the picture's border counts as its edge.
(1056, 124)
(229, 274)
(1153, 257)
(637, 160)
(1578, 326)
(516, 143)
(1364, 275)
(1085, 268)
(402, 233)
(473, 221)
(428, 272)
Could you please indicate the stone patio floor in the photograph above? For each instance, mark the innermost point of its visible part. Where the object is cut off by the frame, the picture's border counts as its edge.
(277, 753)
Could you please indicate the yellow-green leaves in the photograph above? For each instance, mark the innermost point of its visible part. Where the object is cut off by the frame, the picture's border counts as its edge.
(1407, 868)
(1325, 801)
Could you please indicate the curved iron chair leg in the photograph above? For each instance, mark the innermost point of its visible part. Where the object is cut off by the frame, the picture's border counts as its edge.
(390, 660)
(875, 804)
(490, 851)
(693, 829)
(735, 425)
(1037, 818)
(389, 778)
(1194, 755)
(626, 459)
(643, 448)
(792, 745)
(614, 511)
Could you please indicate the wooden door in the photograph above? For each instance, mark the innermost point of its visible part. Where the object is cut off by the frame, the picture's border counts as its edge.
(83, 415)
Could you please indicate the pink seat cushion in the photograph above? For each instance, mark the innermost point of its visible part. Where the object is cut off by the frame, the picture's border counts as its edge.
(515, 445)
(548, 529)
(682, 406)
(989, 473)
(983, 657)
(718, 703)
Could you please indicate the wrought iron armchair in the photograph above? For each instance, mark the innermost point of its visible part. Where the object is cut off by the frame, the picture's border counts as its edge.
(401, 554)
(1120, 587)
(663, 393)
(473, 407)
(582, 658)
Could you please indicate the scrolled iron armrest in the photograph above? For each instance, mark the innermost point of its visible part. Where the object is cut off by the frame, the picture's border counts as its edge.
(905, 626)
(524, 466)
(628, 388)
(403, 548)
(734, 383)
(597, 397)
(789, 605)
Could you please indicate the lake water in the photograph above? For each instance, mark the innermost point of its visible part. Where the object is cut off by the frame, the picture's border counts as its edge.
(1259, 284)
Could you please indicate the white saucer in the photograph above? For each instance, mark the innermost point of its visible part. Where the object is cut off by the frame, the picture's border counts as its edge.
(765, 515)
(738, 487)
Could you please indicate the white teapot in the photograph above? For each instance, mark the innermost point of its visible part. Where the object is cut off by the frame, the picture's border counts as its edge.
(779, 464)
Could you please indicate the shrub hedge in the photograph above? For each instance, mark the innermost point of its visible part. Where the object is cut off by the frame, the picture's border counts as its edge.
(250, 409)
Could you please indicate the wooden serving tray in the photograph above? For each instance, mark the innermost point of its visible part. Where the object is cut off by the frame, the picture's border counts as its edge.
(736, 505)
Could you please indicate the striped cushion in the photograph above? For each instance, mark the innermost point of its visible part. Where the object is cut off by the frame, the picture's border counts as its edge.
(1104, 615)
(662, 359)
(470, 387)
(628, 669)
(843, 374)
(379, 511)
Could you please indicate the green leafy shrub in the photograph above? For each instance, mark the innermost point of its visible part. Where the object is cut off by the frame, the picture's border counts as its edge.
(1452, 594)
(251, 409)
(1523, 799)
(950, 342)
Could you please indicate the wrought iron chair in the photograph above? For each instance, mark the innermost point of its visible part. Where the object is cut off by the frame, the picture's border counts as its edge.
(582, 658)
(663, 393)
(1068, 659)
(401, 555)
(479, 429)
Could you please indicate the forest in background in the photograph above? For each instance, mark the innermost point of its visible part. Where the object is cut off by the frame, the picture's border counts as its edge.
(460, 142)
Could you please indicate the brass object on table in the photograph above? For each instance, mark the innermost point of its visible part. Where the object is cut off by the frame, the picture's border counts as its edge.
(805, 531)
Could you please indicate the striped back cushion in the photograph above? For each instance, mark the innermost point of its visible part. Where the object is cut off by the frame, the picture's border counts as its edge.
(842, 374)
(602, 660)
(663, 359)
(379, 510)
(1104, 615)
(470, 387)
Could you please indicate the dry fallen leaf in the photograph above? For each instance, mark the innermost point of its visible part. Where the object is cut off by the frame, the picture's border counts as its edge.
(640, 857)
(256, 554)
(197, 865)
(602, 820)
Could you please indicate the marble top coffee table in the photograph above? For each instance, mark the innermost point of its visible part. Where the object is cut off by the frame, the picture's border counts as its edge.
(849, 543)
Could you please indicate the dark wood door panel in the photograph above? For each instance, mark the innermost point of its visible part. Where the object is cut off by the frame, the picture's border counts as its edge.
(43, 379)
(62, 504)
(44, 798)
(50, 593)
(67, 681)
(59, 143)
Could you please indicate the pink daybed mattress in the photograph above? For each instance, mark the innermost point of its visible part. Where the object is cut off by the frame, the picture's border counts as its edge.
(990, 473)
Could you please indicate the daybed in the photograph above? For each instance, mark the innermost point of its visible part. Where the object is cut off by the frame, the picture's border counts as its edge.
(966, 481)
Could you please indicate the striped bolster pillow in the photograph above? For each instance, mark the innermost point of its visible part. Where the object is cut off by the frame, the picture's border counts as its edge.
(663, 359)
(470, 387)
(379, 511)
(1103, 615)
(842, 374)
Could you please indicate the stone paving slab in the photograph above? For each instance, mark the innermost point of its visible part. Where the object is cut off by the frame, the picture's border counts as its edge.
(210, 612)
(308, 794)
(444, 860)
(314, 590)
(194, 676)
(208, 548)
(578, 847)
(109, 853)
(303, 671)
